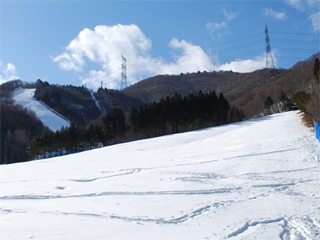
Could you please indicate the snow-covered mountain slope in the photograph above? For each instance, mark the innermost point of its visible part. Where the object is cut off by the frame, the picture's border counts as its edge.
(48, 117)
(257, 179)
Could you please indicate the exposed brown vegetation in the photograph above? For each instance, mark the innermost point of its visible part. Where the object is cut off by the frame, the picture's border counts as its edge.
(244, 90)
(18, 127)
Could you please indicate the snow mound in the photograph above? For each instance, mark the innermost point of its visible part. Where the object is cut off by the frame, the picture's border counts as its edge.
(49, 117)
(256, 179)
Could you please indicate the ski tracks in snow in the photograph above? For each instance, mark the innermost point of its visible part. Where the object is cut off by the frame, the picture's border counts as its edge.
(300, 227)
(268, 189)
(296, 227)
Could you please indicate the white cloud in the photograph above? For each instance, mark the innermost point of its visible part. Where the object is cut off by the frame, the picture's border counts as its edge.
(245, 65)
(104, 45)
(95, 56)
(8, 73)
(229, 15)
(277, 15)
(298, 4)
(303, 5)
(94, 78)
(193, 58)
(313, 3)
(311, 7)
(315, 19)
(217, 29)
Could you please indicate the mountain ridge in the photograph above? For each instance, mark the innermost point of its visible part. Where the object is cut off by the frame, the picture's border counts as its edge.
(247, 91)
(48, 116)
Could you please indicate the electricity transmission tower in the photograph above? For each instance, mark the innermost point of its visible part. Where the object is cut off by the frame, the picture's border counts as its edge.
(123, 72)
(269, 58)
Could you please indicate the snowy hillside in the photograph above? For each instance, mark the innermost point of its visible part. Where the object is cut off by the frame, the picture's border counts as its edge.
(256, 179)
(49, 118)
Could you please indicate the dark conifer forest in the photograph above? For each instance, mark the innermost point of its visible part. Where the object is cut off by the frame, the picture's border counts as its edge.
(18, 127)
(160, 105)
(172, 115)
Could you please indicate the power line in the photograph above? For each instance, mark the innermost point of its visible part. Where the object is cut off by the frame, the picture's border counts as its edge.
(123, 72)
(233, 48)
(291, 33)
(236, 40)
(244, 49)
(294, 41)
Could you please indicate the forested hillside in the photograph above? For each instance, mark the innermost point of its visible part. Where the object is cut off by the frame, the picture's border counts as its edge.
(81, 105)
(156, 106)
(110, 99)
(18, 127)
(248, 91)
(172, 115)
(74, 103)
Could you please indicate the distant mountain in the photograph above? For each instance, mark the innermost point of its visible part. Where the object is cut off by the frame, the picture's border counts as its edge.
(247, 91)
(109, 99)
(74, 103)
(239, 88)
(18, 128)
(50, 118)
(81, 105)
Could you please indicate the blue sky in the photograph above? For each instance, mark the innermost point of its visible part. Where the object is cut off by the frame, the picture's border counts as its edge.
(81, 42)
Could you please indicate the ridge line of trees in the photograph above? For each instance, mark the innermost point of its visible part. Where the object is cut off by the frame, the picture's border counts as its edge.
(172, 115)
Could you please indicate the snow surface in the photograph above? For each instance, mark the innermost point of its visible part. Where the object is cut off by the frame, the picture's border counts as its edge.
(257, 179)
(49, 118)
(97, 103)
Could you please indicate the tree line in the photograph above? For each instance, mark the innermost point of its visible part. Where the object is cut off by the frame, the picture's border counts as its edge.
(307, 99)
(170, 115)
(18, 127)
(73, 102)
(66, 140)
(177, 114)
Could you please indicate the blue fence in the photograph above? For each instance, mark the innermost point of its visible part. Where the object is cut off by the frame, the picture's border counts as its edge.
(317, 129)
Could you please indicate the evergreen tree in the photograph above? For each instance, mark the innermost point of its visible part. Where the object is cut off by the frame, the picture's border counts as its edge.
(114, 123)
(171, 115)
(284, 100)
(224, 107)
(268, 102)
(302, 99)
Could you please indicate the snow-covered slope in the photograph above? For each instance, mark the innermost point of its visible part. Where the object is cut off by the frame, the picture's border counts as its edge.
(48, 117)
(257, 179)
